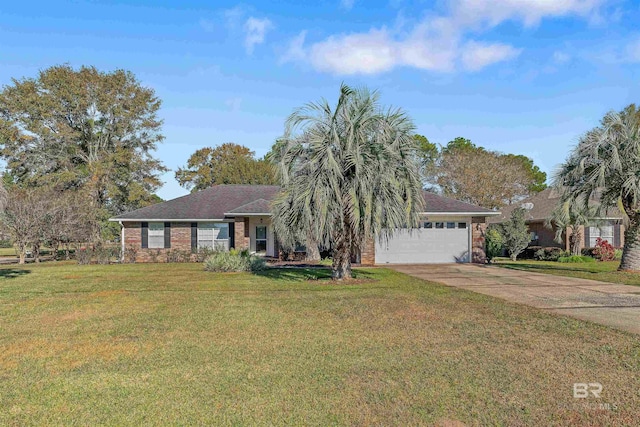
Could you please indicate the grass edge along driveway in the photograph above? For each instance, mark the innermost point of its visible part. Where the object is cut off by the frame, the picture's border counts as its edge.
(601, 271)
(172, 344)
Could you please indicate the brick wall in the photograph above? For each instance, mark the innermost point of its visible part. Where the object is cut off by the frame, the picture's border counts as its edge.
(180, 241)
(241, 230)
(546, 235)
(368, 252)
(478, 230)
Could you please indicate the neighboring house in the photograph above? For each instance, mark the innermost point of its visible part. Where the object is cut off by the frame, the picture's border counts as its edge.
(539, 208)
(238, 216)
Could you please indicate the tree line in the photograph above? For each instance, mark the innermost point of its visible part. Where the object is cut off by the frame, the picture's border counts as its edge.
(86, 138)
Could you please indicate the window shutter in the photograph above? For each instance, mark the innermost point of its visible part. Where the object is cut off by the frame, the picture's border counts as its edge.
(167, 235)
(144, 238)
(194, 235)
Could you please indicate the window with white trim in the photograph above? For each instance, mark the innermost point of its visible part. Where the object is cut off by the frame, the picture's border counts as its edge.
(213, 235)
(605, 232)
(156, 235)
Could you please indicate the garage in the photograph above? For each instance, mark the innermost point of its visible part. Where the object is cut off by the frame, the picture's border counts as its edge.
(437, 241)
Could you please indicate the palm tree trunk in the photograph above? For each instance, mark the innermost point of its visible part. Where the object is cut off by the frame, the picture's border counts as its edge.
(313, 254)
(574, 240)
(341, 266)
(631, 251)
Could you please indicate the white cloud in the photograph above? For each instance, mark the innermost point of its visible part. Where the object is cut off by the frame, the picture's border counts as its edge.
(295, 51)
(442, 42)
(255, 31)
(475, 56)
(347, 4)
(368, 53)
(530, 12)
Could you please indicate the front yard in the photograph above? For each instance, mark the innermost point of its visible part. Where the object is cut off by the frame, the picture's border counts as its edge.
(172, 344)
(603, 271)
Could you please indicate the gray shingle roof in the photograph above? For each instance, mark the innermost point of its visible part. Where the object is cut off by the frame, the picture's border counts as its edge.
(541, 206)
(257, 207)
(435, 203)
(217, 201)
(211, 203)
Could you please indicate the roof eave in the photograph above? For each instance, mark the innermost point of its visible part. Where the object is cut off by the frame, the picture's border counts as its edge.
(491, 213)
(247, 214)
(166, 219)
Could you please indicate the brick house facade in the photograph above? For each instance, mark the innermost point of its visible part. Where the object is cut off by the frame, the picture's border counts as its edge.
(539, 209)
(237, 216)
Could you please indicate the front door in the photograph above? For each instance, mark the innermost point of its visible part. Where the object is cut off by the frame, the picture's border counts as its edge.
(261, 239)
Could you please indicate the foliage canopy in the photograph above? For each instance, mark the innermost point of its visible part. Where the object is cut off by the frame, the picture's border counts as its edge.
(604, 167)
(228, 163)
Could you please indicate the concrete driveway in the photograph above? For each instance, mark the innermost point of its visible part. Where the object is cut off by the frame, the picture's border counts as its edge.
(617, 306)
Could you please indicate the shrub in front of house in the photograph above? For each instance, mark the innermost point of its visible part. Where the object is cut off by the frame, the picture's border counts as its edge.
(177, 255)
(234, 261)
(494, 244)
(201, 254)
(604, 251)
(576, 259)
(98, 254)
(549, 254)
(617, 256)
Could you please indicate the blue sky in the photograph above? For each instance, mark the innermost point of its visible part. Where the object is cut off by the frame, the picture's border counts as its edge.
(518, 76)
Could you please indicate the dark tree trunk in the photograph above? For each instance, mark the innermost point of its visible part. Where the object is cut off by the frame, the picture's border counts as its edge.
(313, 253)
(341, 267)
(631, 251)
(36, 252)
(574, 240)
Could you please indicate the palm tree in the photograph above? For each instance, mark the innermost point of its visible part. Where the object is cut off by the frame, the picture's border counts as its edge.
(606, 163)
(348, 174)
(571, 214)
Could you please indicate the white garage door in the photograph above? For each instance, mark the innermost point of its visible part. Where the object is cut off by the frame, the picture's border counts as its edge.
(438, 242)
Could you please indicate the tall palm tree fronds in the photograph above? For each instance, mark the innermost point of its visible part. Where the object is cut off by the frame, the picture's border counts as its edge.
(348, 173)
(571, 215)
(606, 164)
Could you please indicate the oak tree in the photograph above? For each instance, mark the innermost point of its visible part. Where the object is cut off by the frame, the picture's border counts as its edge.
(228, 163)
(85, 130)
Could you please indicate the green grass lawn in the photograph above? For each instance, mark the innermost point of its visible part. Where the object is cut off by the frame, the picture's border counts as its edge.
(12, 253)
(603, 271)
(8, 252)
(172, 344)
